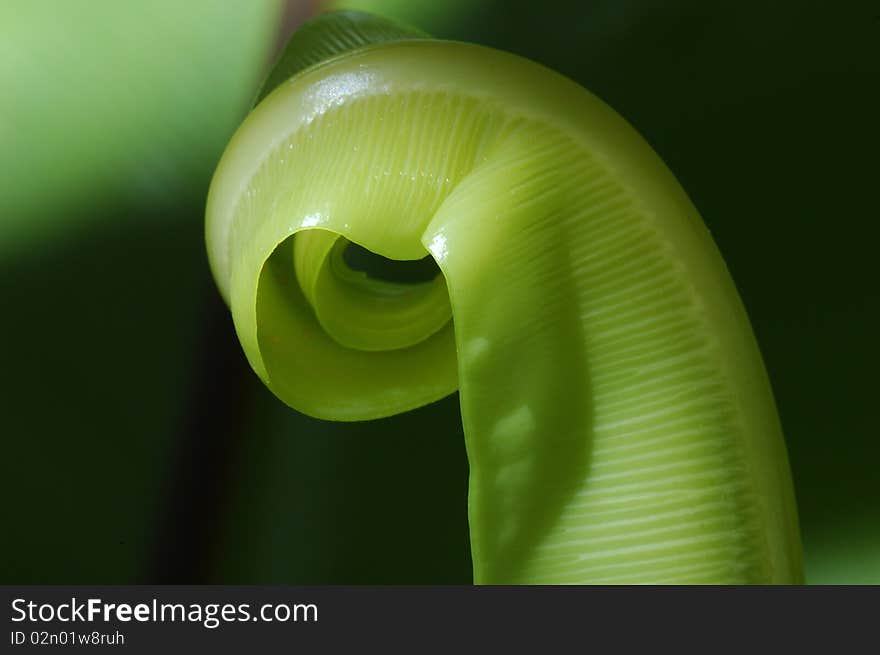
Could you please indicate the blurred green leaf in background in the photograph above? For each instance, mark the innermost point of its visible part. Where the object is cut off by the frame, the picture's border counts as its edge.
(112, 102)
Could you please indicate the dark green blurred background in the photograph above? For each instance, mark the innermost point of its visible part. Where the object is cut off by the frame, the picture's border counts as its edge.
(138, 447)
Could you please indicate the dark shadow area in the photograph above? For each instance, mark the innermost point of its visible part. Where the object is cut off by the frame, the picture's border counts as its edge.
(378, 502)
(97, 335)
(202, 467)
(378, 267)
